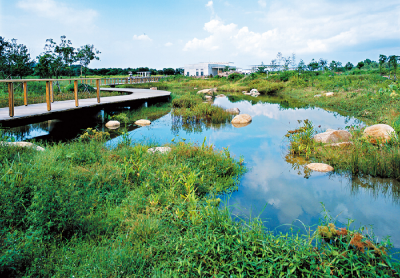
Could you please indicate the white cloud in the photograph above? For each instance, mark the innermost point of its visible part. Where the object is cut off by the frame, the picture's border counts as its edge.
(296, 27)
(168, 44)
(262, 3)
(59, 11)
(210, 5)
(143, 37)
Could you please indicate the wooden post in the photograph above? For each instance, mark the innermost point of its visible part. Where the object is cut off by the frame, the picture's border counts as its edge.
(25, 93)
(48, 100)
(11, 99)
(76, 92)
(98, 90)
(51, 91)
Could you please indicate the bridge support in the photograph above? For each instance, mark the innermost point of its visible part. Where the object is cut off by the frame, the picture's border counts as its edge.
(11, 99)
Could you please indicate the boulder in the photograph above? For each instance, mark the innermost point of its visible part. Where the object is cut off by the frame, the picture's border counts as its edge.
(206, 91)
(332, 136)
(240, 125)
(241, 119)
(329, 94)
(208, 97)
(233, 111)
(22, 145)
(142, 122)
(341, 145)
(153, 88)
(221, 95)
(320, 167)
(254, 92)
(159, 149)
(380, 132)
(112, 124)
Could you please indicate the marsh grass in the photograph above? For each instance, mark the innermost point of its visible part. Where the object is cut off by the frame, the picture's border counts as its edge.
(360, 157)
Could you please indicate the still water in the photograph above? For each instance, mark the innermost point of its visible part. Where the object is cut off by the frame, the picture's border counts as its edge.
(276, 186)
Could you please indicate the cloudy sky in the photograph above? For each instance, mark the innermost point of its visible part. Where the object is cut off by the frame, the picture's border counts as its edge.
(173, 33)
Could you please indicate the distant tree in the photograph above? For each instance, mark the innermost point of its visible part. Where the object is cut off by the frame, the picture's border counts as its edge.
(179, 71)
(349, 66)
(44, 66)
(360, 65)
(322, 64)
(168, 71)
(66, 52)
(313, 65)
(301, 67)
(4, 46)
(86, 54)
(293, 60)
(392, 61)
(382, 61)
(286, 62)
(333, 66)
(367, 62)
(273, 64)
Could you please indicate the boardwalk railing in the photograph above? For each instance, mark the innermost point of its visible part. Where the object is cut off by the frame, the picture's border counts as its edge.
(95, 82)
(129, 80)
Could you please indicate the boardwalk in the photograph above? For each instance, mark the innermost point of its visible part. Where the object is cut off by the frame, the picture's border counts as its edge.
(39, 112)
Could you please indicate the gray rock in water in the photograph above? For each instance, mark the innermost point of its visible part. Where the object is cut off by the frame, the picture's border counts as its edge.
(233, 111)
(113, 124)
(320, 167)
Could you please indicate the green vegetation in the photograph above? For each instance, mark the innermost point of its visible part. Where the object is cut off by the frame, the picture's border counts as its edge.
(359, 157)
(80, 209)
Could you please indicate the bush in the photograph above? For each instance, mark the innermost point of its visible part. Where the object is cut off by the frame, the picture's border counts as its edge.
(81, 88)
(234, 76)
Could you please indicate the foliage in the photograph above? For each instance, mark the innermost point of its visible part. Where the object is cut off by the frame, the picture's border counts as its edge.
(81, 88)
(234, 76)
(93, 134)
(86, 54)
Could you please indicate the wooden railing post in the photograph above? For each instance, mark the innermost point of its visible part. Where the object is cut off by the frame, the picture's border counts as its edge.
(48, 95)
(51, 91)
(25, 93)
(98, 90)
(11, 99)
(76, 92)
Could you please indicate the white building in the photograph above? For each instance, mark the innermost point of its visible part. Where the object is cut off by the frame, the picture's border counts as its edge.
(206, 69)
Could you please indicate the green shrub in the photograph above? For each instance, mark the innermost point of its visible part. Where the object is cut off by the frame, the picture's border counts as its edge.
(81, 88)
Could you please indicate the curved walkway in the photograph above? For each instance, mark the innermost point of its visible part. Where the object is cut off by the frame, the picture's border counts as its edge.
(40, 109)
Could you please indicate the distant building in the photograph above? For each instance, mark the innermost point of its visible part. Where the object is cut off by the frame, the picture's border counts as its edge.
(206, 69)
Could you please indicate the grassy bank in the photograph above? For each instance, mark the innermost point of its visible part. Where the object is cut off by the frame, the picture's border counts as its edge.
(80, 209)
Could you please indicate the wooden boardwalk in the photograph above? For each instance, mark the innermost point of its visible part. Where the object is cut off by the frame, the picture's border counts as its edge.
(40, 112)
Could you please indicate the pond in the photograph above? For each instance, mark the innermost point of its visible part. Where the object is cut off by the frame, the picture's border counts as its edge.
(276, 186)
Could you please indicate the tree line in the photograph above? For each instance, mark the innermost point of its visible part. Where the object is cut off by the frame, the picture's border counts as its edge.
(59, 59)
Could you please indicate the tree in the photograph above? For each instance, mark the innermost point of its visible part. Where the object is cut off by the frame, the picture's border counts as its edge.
(179, 71)
(382, 61)
(168, 71)
(44, 66)
(313, 65)
(86, 54)
(367, 62)
(4, 45)
(360, 65)
(349, 66)
(15, 59)
(392, 61)
(301, 67)
(66, 52)
(322, 64)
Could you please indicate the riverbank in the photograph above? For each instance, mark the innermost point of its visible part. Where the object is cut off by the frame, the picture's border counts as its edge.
(81, 209)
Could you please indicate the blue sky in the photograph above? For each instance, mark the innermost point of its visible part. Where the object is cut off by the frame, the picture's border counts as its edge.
(173, 33)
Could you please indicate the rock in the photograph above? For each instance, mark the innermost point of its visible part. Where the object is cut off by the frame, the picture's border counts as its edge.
(206, 91)
(341, 145)
(329, 94)
(332, 136)
(22, 145)
(221, 95)
(113, 124)
(254, 92)
(233, 111)
(317, 95)
(320, 167)
(142, 122)
(208, 97)
(241, 119)
(159, 149)
(240, 125)
(153, 88)
(380, 132)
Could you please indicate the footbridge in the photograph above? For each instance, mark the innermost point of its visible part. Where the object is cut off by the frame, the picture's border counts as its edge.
(52, 109)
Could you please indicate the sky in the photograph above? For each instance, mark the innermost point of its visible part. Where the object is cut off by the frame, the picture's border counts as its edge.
(160, 34)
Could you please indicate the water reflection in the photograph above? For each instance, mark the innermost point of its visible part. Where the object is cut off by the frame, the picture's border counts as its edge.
(279, 180)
